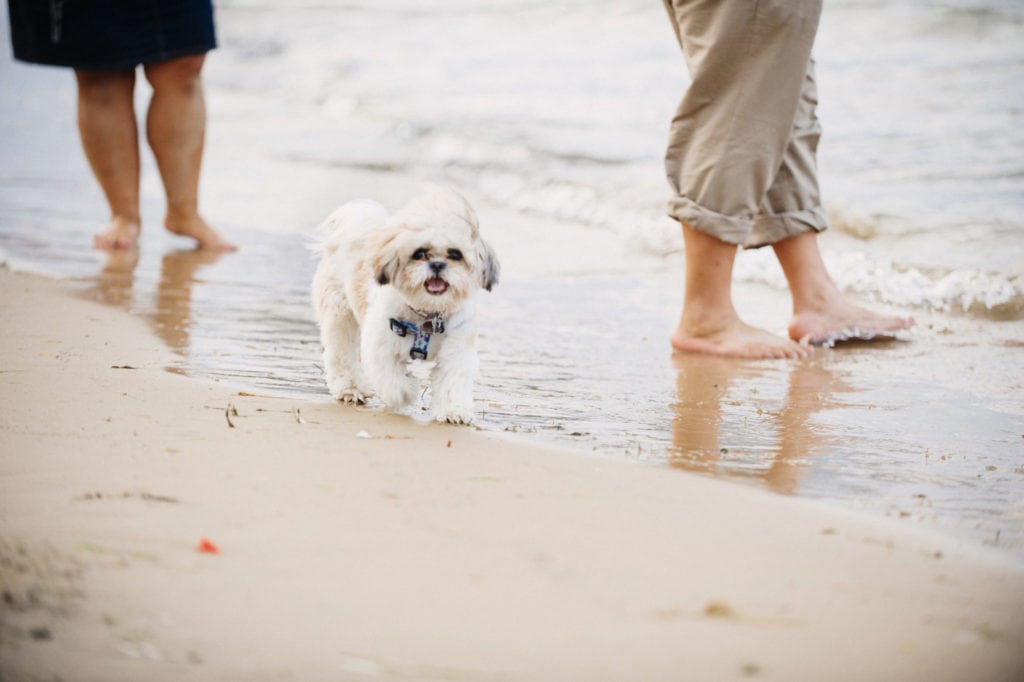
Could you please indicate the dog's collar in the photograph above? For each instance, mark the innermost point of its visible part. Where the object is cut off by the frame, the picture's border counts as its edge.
(432, 324)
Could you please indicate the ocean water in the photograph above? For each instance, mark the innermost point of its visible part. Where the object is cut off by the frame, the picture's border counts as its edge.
(561, 110)
(553, 116)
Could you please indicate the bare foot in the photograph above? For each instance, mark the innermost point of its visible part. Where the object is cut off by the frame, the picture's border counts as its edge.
(197, 228)
(822, 315)
(841, 320)
(122, 233)
(737, 339)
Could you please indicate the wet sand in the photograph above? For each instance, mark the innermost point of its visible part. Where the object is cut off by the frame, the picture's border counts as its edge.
(422, 552)
(925, 430)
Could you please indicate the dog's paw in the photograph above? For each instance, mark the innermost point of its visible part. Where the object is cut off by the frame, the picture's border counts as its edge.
(455, 416)
(349, 394)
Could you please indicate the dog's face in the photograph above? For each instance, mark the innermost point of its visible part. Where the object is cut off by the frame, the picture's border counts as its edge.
(432, 253)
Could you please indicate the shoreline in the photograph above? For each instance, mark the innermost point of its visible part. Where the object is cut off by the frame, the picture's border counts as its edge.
(425, 552)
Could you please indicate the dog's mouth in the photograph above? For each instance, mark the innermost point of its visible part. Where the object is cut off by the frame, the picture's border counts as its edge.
(435, 286)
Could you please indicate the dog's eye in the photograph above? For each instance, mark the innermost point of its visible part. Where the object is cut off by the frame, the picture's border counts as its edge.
(419, 254)
(454, 254)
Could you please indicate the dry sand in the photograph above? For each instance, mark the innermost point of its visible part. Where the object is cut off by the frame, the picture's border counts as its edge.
(423, 552)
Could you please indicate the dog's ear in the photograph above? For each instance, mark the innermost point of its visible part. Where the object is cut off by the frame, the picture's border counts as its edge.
(469, 215)
(490, 268)
(386, 260)
(386, 271)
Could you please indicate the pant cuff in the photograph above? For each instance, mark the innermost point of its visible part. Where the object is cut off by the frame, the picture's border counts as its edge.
(725, 228)
(769, 229)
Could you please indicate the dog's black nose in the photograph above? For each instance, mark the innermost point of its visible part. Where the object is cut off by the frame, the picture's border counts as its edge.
(437, 266)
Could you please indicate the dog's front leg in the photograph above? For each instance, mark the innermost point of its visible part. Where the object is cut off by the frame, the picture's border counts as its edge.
(451, 383)
(385, 362)
(339, 334)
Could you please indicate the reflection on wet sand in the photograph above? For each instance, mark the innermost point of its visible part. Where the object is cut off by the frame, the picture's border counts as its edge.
(171, 311)
(726, 421)
(115, 283)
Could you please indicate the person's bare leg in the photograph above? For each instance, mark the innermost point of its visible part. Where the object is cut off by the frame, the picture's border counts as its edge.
(176, 128)
(110, 139)
(709, 322)
(821, 313)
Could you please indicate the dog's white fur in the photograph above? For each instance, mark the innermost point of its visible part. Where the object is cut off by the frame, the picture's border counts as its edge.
(375, 267)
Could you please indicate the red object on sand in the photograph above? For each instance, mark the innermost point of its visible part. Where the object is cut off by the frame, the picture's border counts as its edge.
(207, 547)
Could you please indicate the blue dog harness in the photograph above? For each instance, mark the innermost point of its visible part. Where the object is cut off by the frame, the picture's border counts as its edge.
(433, 324)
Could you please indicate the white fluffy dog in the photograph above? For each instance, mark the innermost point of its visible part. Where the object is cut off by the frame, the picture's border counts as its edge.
(395, 297)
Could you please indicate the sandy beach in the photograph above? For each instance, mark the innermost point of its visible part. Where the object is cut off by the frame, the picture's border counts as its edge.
(155, 527)
(179, 499)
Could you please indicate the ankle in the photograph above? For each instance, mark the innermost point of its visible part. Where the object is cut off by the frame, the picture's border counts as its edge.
(698, 321)
(128, 219)
(181, 216)
(823, 297)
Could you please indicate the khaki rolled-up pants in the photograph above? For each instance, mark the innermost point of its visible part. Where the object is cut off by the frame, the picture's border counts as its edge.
(741, 154)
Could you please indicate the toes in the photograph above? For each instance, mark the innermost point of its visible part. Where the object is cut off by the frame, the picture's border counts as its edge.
(349, 395)
(792, 351)
(455, 417)
(113, 242)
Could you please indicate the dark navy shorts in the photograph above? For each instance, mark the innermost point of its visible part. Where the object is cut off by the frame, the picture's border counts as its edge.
(109, 35)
